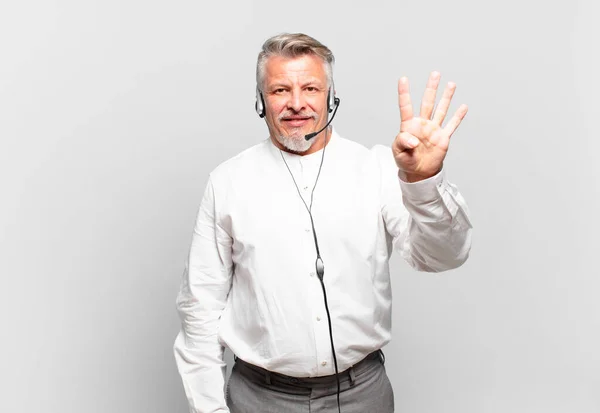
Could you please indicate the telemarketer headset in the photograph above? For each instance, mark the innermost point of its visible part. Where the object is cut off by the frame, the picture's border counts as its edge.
(332, 106)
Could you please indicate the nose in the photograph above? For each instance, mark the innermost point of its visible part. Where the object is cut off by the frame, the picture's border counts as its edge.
(296, 102)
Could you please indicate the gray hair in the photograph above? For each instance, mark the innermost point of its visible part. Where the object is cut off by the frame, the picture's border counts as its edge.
(293, 45)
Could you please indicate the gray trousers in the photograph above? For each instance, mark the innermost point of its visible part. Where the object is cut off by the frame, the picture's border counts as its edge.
(363, 388)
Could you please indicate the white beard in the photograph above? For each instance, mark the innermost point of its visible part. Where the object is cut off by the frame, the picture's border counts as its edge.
(295, 144)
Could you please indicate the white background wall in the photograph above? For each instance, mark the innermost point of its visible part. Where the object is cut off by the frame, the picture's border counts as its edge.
(112, 114)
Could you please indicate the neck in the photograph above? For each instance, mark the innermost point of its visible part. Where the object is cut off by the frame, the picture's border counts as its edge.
(321, 140)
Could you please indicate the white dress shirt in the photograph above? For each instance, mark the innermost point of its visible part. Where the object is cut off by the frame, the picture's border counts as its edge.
(249, 283)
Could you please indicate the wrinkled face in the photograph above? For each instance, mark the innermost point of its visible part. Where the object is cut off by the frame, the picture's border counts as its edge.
(295, 94)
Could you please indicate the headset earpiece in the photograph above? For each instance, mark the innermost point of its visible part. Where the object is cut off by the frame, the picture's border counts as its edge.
(260, 104)
(331, 99)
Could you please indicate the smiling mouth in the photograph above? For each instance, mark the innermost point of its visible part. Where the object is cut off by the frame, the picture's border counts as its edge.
(300, 121)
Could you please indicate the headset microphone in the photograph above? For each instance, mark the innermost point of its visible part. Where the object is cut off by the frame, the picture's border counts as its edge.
(336, 102)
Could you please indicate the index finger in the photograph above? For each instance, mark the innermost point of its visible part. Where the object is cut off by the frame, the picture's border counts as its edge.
(406, 109)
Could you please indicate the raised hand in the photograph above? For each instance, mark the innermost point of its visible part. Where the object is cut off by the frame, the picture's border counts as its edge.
(421, 146)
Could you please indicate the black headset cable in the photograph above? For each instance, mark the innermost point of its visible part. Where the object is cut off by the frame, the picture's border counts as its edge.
(319, 262)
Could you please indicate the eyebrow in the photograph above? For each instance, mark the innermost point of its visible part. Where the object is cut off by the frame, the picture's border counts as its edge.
(284, 84)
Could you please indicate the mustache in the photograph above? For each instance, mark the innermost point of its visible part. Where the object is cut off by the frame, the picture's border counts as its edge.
(285, 115)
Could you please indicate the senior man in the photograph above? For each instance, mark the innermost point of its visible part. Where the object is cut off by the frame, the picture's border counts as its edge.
(288, 265)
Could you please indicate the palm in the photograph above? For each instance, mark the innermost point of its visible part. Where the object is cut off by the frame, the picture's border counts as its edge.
(422, 143)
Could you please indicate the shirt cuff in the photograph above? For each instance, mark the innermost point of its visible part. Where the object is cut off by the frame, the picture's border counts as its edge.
(426, 190)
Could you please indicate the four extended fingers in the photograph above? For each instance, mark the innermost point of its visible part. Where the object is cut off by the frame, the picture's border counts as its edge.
(428, 103)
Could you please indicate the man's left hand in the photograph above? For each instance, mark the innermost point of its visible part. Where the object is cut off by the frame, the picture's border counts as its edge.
(421, 146)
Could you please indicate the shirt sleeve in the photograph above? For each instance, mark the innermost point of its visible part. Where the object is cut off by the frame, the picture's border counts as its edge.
(202, 297)
(428, 220)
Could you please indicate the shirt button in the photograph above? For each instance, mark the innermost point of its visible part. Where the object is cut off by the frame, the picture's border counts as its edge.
(312, 274)
(307, 230)
(323, 363)
(318, 318)
(306, 188)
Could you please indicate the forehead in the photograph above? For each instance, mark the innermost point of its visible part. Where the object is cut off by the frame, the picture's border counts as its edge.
(279, 68)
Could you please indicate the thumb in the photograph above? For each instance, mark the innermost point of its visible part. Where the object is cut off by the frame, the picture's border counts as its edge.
(405, 141)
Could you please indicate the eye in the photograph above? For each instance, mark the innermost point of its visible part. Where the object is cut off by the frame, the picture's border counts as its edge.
(279, 91)
(311, 89)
